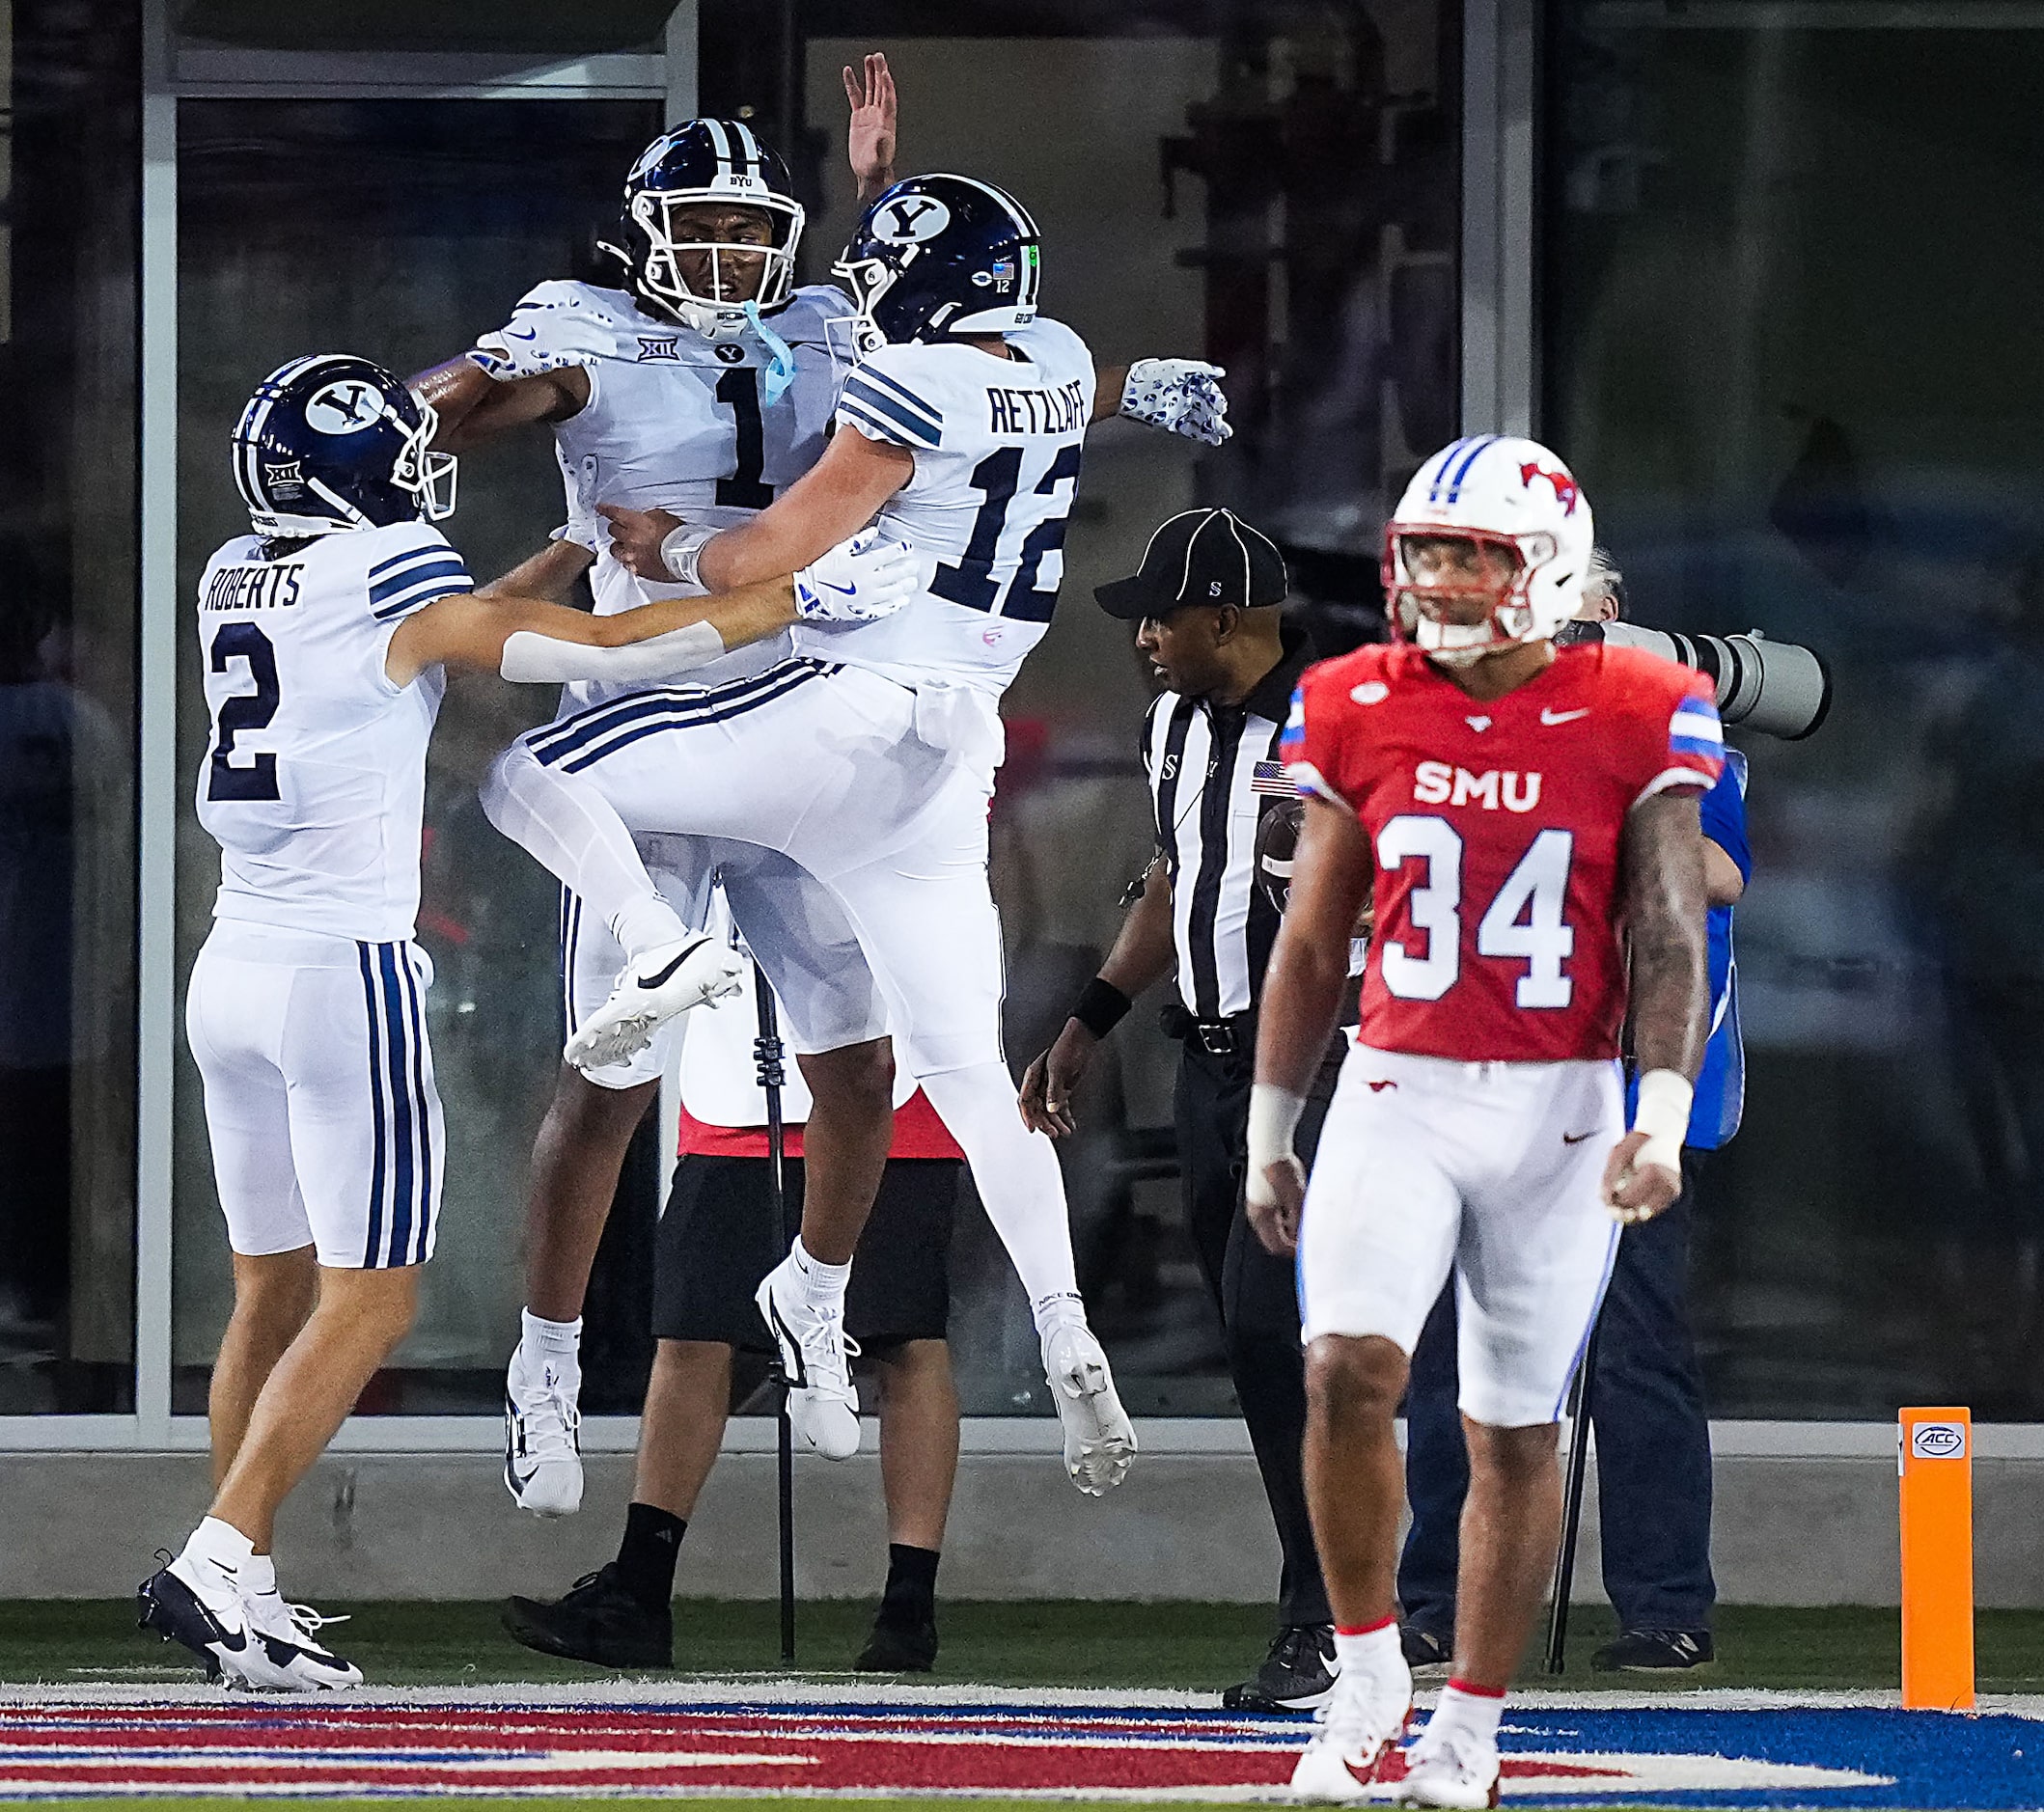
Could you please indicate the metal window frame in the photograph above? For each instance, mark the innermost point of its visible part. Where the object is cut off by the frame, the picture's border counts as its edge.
(1500, 81)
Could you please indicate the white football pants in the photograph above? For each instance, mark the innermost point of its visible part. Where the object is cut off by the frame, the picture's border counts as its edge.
(878, 792)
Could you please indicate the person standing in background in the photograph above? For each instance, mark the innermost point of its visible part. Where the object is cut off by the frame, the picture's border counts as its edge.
(1646, 1391)
(717, 1239)
(1207, 605)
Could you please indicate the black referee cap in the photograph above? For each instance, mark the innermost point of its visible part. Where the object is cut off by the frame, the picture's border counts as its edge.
(1198, 557)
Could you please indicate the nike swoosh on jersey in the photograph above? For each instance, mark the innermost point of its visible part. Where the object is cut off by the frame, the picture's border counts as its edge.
(1575, 1138)
(1551, 718)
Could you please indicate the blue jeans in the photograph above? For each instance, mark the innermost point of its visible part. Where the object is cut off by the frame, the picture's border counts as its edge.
(1653, 1444)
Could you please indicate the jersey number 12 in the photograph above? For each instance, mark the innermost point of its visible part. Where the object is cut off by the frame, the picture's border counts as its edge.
(970, 582)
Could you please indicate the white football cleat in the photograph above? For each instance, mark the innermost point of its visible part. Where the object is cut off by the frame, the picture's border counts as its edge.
(815, 1360)
(1449, 1766)
(201, 1604)
(542, 1443)
(1358, 1728)
(287, 1640)
(1099, 1442)
(652, 988)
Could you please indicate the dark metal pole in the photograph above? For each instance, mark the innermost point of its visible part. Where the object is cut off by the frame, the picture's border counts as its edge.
(768, 1054)
(1571, 1508)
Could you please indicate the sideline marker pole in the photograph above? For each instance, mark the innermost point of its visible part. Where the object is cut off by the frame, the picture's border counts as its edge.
(1934, 1453)
(769, 1053)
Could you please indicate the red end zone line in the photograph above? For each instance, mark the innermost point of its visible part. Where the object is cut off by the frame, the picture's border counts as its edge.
(408, 1750)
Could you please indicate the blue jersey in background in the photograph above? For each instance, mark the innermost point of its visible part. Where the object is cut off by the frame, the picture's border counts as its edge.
(1720, 1084)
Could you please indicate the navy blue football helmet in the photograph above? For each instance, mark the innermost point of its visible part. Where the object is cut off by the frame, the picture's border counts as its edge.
(335, 442)
(940, 257)
(698, 161)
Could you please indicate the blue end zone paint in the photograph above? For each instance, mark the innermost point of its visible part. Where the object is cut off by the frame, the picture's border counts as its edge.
(1993, 1762)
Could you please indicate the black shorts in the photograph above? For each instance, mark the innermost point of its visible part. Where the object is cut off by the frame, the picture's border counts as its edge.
(717, 1239)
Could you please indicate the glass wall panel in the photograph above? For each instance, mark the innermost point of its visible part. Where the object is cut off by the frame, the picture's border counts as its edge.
(1787, 295)
(402, 230)
(70, 170)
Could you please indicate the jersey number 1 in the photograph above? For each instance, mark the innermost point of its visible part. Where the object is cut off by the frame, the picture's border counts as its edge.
(1535, 892)
(243, 710)
(743, 490)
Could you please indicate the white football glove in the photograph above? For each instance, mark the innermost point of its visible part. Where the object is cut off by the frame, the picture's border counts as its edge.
(869, 576)
(1179, 395)
(554, 328)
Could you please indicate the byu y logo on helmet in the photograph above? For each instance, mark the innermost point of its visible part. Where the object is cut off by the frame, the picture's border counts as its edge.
(335, 442)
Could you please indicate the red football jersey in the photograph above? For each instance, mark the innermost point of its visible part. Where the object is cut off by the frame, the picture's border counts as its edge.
(1495, 829)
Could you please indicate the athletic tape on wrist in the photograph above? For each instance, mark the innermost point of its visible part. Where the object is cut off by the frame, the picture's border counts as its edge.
(1663, 1115)
(681, 548)
(1274, 1115)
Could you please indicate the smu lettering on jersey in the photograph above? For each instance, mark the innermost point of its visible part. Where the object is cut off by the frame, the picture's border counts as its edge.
(1495, 828)
(996, 444)
(315, 783)
(672, 422)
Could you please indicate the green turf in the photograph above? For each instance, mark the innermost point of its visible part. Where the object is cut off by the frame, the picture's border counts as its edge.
(1072, 1645)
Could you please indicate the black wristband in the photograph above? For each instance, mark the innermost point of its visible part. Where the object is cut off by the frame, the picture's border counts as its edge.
(1100, 1007)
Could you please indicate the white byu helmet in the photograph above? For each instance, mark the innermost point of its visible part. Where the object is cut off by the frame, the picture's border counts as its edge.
(1511, 494)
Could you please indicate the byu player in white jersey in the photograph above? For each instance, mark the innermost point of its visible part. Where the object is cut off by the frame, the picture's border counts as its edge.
(324, 636)
(872, 764)
(703, 383)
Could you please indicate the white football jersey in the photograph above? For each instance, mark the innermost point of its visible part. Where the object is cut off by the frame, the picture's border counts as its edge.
(672, 422)
(313, 783)
(996, 444)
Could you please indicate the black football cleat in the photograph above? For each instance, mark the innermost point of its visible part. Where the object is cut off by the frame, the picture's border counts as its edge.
(1654, 1652)
(1297, 1675)
(894, 1649)
(596, 1621)
(1427, 1654)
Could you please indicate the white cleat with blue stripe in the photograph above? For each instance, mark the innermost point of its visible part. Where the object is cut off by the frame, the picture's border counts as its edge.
(650, 990)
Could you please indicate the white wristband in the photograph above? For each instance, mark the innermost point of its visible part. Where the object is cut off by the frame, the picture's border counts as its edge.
(1663, 1115)
(1273, 1120)
(680, 550)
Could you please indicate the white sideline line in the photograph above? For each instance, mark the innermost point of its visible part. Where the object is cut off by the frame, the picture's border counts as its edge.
(742, 1690)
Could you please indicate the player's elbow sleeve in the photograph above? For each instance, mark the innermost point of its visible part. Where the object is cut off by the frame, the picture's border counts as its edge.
(532, 658)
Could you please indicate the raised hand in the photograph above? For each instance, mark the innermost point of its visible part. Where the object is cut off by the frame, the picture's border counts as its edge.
(871, 141)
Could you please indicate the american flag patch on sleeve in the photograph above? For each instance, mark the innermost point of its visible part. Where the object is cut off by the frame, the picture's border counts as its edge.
(1270, 777)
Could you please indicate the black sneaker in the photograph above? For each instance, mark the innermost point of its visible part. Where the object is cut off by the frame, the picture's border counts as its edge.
(1297, 1675)
(1654, 1652)
(597, 1621)
(1425, 1652)
(892, 1649)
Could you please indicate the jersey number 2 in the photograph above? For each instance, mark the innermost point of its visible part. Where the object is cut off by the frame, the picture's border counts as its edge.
(243, 710)
(1534, 891)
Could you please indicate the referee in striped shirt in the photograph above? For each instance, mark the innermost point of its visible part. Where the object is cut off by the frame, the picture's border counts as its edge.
(1207, 605)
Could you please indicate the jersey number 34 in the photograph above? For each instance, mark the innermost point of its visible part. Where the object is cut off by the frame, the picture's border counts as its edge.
(1524, 920)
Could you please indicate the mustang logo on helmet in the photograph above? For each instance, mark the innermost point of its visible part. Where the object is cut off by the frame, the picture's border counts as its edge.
(1566, 491)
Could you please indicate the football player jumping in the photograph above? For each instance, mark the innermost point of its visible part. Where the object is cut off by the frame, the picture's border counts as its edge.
(324, 636)
(869, 760)
(703, 383)
(1527, 817)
